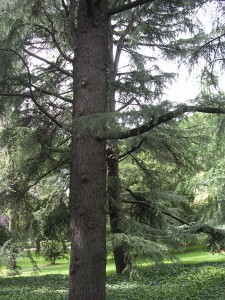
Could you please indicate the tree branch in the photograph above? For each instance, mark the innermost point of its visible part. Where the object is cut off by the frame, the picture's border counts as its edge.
(49, 63)
(124, 7)
(56, 43)
(47, 173)
(208, 43)
(149, 205)
(156, 121)
(30, 88)
(15, 95)
(217, 235)
(182, 221)
(27, 95)
(129, 152)
(52, 94)
(125, 105)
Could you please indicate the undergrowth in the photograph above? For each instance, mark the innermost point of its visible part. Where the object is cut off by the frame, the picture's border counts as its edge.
(168, 282)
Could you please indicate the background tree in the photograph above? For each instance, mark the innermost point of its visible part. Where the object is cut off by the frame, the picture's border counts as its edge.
(140, 83)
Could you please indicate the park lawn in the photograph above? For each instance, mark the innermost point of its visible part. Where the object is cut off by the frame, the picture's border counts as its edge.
(197, 254)
(199, 276)
(45, 268)
(194, 255)
(191, 255)
(169, 282)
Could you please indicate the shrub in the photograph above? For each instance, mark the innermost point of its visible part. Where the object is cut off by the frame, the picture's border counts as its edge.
(9, 252)
(52, 250)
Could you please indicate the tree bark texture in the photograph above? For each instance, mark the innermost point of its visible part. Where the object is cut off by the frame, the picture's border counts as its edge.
(88, 163)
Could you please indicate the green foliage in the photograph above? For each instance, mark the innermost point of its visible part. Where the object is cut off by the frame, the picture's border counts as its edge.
(10, 252)
(49, 287)
(216, 236)
(170, 282)
(173, 282)
(57, 223)
(138, 248)
(205, 186)
(149, 227)
(52, 250)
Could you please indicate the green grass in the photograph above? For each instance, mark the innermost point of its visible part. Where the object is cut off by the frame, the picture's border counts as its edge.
(190, 256)
(198, 254)
(200, 276)
(45, 268)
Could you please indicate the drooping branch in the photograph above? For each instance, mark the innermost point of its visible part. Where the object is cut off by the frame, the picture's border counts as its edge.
(124, 7)
(44, 175)
(216, 235)
(132, 150)
(63, 71)
(182, 221)
(209, 43)
(37, 180)
(56, 43)
(141, 201)
(22, 95)
(45, 112)
(27, 95)
(125, 105)
(156, 121)
(52, 94)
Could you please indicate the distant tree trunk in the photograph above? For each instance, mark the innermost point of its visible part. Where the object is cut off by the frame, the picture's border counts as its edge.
(114, 189)
(38, 246)
(88, 163)
(115, 205)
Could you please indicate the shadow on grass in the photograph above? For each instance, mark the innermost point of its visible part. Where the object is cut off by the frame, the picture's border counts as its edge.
(47, 287)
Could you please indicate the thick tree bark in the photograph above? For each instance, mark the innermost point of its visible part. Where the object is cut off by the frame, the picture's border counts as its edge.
(88, 164)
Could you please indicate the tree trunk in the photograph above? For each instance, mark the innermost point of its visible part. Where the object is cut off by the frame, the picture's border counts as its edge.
(88, 163)
(115, 205)
(114, 189)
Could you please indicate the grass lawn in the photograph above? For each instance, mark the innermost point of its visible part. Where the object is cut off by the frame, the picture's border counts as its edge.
(190, 256)
(199, 276)
(61, 267)
(197, 254)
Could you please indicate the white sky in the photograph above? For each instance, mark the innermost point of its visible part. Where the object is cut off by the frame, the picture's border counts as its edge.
(186, 87)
